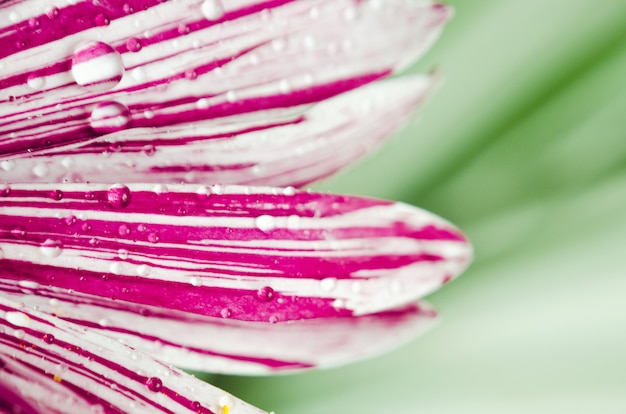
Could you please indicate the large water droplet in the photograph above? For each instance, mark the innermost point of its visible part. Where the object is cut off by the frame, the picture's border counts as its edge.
(212, 9)
(51, 248)
(118, 196)
(17, 318)
(109, 117)
(97, 66)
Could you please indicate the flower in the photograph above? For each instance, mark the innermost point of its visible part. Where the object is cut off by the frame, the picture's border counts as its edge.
(113, 254)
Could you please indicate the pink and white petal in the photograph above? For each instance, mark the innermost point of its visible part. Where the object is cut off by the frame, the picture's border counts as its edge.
(250, 253)
(257, 56)
(235, 347)
(48, 365)
(278, 147)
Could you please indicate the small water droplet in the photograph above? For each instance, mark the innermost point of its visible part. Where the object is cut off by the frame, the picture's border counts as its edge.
(7, 165)
(149, 150)
(18, 232)
(231, 96)
(202, 103)
(225, 313)
(328, 284)
(143, 270)
(153, 237)
(70, 220)
(118, 196)
(86, 227)
(109, 117)
(160, 189)
(133, 44)
(293, 222)
(36, 82)
(5, 190)
(14, 17)
(97, 66)
(289, 191)
(123, 230)
(122, 254)
(154, 384)
(195, 281)
(212, 9)
(51, 248)
(115, 268)
(273, 319)
(40, 170)
(265, 294)
(48, 338)
(56, 195)
(101, 20)
(265, 223)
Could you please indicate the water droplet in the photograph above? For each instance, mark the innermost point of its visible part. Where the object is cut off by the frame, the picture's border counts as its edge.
(118, 196)
(97, 66)
(123, 230)
(265, 223)
(7, 165)
(293, 222)
(227, 400)
(202, 103)
(143, 270)
(149, 149)
(17, 318)
(154, 384)
(160, 189)
(40, 170)
(203, 192)
(212, 9)
(225, 313)
(101, 20)
(86, 227)
(18, 232)
(51, 248)
(115, 268)
(70, 220)
(284, 86)
(133, 44)
(14, 17)
(231, 96)
(328, 284)
(109, 117)
(48, 338)
(273, 319)
(195, 281)
(56, 195)
(153, 237)
(5, 190)
(122, 254)
(265, 294)
(36, 82)
(289, 191)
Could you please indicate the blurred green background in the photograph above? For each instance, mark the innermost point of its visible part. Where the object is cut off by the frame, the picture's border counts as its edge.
(523, 147)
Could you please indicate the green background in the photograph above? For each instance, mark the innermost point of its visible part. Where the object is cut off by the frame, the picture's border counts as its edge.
(523, 147)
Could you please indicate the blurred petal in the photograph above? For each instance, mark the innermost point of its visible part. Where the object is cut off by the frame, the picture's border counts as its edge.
(188, 253)
(50, 366)
(285, 147)
(187, 73)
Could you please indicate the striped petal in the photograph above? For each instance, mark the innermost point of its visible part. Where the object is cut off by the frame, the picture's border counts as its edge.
(286, 148)
(122, 80)
(249, 257)
(48, 365)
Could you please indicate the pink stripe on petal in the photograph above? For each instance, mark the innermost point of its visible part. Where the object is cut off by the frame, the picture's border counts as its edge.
(236, 347)
(210, 252)
(263, 57)
(48, 365)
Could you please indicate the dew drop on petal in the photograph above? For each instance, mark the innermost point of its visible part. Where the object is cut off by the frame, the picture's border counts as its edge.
(328, 284)
(5, 190)
(265, 294)
(51, 248)
(212, 9)
(118, 196)
(143, 270)
(109, 117)
(17, 318)
(153, 237)
(225, 313)
(97, 66)
(265, 223)
(154, 384)
(36, 82)
(122, 254)
(48, 338)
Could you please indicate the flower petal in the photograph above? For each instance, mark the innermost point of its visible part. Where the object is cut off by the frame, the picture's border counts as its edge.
(48, 365)
(194, 253)
(279, 147)
(257, 61)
